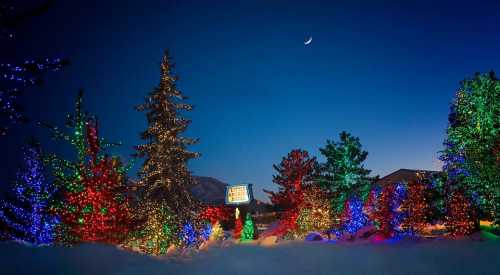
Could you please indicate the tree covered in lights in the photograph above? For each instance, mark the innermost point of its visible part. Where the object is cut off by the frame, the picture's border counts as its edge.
(435, 195)
(370, 205)
(157, 233)
(416, 205)
(238, 226)
(217, 232)
(295, 171)
(343, 173)
(389, 215)
(28, 216)
(248, 232)
(315, 214)
(353, 217)
(15, 77)
(188, 235)
(460, 216)
(164, 176)
(94, 207)
(473, 136)
(206, 231)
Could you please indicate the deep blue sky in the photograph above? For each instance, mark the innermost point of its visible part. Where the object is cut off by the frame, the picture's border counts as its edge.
(385, 71)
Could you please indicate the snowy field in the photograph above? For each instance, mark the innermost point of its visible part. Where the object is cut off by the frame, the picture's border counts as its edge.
(429, 257)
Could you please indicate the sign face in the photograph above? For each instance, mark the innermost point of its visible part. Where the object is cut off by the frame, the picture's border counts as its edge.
(239, 194)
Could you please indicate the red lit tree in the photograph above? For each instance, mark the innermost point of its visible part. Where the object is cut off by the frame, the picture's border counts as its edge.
(371, 203)
(383, 213)
(295, 171)
(416, 206)
(461, 216)
(92, 204)
(238, 227)
(98, 210)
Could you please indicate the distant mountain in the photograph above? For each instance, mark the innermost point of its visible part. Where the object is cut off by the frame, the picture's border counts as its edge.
(209, 190)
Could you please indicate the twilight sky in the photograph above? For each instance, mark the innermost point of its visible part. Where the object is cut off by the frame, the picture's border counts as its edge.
(385, 71)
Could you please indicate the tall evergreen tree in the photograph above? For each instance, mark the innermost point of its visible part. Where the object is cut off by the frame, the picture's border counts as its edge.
(344, 174)
(164, 176)
(470, 157)
(28, 217)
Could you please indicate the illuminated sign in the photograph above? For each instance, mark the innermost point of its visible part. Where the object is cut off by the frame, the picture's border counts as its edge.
(239, 194)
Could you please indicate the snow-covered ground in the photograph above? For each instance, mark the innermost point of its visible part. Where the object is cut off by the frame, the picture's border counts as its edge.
(424, 257)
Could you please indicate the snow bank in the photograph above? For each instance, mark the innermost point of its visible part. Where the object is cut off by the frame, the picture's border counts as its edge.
(415, 257)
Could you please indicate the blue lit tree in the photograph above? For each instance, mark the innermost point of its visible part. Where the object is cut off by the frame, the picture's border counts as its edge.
(27, 217)
(206, 231)
(398, 214)
(353, 218)
(188, 235)
(388, 215)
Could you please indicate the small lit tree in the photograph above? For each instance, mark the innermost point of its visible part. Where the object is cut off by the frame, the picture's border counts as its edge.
(217, 232)
(248, 229)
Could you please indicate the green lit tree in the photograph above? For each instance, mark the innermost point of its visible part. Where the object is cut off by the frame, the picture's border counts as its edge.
(473, 134)
(248, 229)
(343, 174)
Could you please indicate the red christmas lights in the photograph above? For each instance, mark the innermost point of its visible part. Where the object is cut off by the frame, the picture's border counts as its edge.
(294, 171)
(416, 206)
(461, 216)
(97, 211)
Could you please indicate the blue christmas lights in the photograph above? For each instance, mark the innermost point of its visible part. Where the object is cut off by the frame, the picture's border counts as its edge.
(188, 234)
(398, 215)
(356, 218)
(31, 224)
(206, 230)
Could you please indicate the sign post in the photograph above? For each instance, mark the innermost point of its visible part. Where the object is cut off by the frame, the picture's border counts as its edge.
(238, 195)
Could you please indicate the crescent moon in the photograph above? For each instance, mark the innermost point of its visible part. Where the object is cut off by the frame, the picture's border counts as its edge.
(308, 41)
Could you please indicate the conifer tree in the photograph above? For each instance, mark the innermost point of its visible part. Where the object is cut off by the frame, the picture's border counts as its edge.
(353, 218)
(29, 217)
(164, 176)
(315, 213)
(470, 156)
(217, 232)
(238, 226)
(388, 216)
(461, 216)
(295, 171)
(416, 205)
(248, 229)
(344, 174)
(156, 235)
(93, 206)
